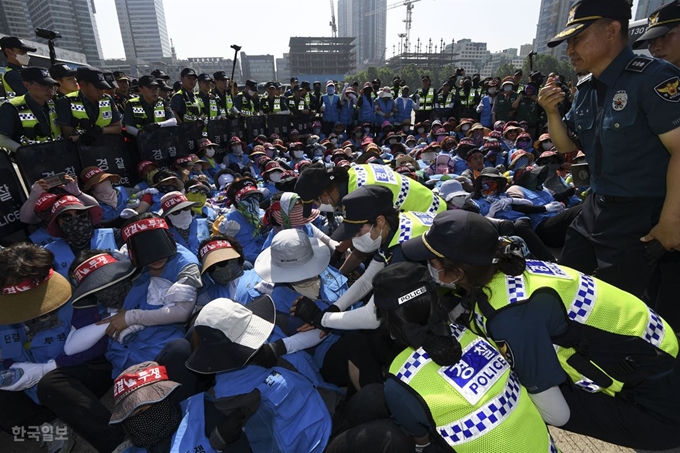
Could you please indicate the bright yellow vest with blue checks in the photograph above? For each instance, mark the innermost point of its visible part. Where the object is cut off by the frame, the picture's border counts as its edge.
(587, 301)
(78, 112)
(193, 109)
(9, 91)
(30, 123)
(426, 102)
(409, 195)
(478, 404)
(141, 119)
(411, 225)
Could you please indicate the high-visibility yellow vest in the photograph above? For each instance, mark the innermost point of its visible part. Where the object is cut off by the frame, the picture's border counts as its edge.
(590, 302)
(79, 113)
(30, 124)
(426, 101)
(247, 105)
(193, 108)
(141, 118)
(9, 91)
(213, 110)
(411, 225)
(478, 404)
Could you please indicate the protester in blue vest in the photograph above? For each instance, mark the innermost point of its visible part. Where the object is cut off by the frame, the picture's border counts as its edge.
(112, 200)
(286, 212)
(42, 210)
(365, 106)
(485, 107)
(198, 192)
(39, 380)
(271, 174)
(348, 103)
(384, 107)
(235, 154)
(146, 171)
(73, 223)
(267, 407)
(187, 228)
(555, 183)
(207, 151)
(330, 108)
(404, 105)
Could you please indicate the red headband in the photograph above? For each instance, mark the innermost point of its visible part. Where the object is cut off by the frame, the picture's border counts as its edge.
(172, 201)
(143, 225)
(129, 382)
(91, 265)
(25, 285)
(212, 246)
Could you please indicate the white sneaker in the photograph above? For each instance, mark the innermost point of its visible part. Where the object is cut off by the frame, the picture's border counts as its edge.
(57, 437)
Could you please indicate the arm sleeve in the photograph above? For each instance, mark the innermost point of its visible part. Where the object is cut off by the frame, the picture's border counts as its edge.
(177, 313)
(7, 142)
(81, 318)
(361, 318)
(552, 406)
(302, 340)
(26, 214)
(323, 237)
(361, 287)
(132, 130)
(64, 116)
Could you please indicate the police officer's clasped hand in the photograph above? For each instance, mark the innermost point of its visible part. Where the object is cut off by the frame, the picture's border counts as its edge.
(90, 136)
(550, 96)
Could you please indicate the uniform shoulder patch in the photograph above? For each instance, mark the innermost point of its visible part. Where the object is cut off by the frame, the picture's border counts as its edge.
(585, 79)
(639, 63)
(668, 90)
(505, 350)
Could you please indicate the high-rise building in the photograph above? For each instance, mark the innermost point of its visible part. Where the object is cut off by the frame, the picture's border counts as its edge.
(646, 7)
(469, 55)
(142, 25)
(15, 20)
(259, 68)
(365, 20)
(314, 57)
(551, 20)
(525, 49)
(74, 19)
(283, 68)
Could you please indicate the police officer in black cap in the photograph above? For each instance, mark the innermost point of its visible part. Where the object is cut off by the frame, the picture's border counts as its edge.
(293, 83)
(159, 74)
(122, 93)
(66, 77)
(663, 33)
(31, 117)
(149, 111)
(315, 97)
(89, 112)
(223, 93)
(273, 104)
(16, 52)
(625, 117)
(184, 104)
(246, 101)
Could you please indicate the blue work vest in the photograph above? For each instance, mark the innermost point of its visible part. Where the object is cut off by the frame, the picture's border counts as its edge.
(332, 112)
(102, 238)
(41, 237)
(199, 230)
(486, 116)
(252, 245)
(177, 262)
(386, 106)
(111, 213)
(346, 114)
(44, 346)
(404, 109)
(291, 418)
(538, 198)
(366, 113)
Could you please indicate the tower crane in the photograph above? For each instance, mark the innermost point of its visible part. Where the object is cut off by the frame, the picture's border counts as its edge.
(408, 21)
(333, 25)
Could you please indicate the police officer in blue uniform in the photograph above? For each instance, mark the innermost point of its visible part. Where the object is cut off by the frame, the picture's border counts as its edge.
(16, 53)
(626, 119)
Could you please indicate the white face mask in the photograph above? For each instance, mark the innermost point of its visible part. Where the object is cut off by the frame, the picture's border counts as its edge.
(367, 129)
(209, 152)
(251, 93)
(492, 91)
(23, 59)
(326, 208)
(275, 176)
(507, 88)
(365, 244)
(298, 153)
(428, 157)
(237, 151)
(435, 276)
(421, 130)
(317, 130)
(181, 219)
(465, 128)
(334, 141)
(547, 145)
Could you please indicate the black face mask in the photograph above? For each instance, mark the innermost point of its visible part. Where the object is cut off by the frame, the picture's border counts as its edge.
(222, 275)
(77, 230)
(154, 425)
(114, 296)
(534, 178)
(42, 323)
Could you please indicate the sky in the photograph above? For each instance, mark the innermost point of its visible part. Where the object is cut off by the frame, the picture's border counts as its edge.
(206, 29)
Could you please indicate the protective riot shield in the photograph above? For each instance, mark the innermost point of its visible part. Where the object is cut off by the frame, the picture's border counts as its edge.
(110, 153)
(279, 125)
(46, 159)
(191, 133)
(11, 198)
(301, 123)
(218, 132)
(255, 125)
(163, 145)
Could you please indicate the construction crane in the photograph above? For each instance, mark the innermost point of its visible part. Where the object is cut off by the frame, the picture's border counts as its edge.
(333, 25)
(408, 21)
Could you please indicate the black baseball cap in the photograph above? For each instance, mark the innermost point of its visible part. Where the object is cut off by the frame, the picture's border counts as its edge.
(163, 86)
(293, 79)
(110, 79)
(188, 72)
(12, 42)
(659, 23)
(362, 205)
(120, 75)
(157, 73)
(311, 182)
(203, 77)
(220, 75)
(270, 85)
(585, 12)
(61, 70)
(94, 76)
(251, 83)
(519, 72)
(37, 75)
(148, 81)
(460, 236)
(401, 283)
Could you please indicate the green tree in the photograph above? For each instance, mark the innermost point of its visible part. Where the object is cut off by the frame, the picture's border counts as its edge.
(505, 70)
(543, 63)
(567, 70)
(411, 74)
(386, 75)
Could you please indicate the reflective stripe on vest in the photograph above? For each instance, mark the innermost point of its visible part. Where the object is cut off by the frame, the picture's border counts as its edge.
(9, 92)
(78, 112)
(411, 225)
(213, 111)
(247, 105)
(193, 109)
(141, 116)
(428, 102)
(469, 101)
(30, 123)
(587, 301)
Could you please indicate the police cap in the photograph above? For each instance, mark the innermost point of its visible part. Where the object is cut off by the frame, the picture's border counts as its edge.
(203, 77)
(188, 72)
(659, 23)
(148, 81)
(585, 12)
(37, 75)
(364, 204)
(12, 42)
(220, 75)
(61, 70)
(251, 84)
(110, 79)
(93, 76)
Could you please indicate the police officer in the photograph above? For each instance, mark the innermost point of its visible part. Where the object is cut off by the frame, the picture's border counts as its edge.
(628, 104)
(209, 108)
(299, 109)
(66, 77)
(16, 52)
(445, 101)
(31, 117)
(246, 101)
(425, 98)
(88, 113)
(122, 94)
(594, 359)
(467, 100)
(315, 98)
(273, 104)
(147, 112)
(111, 80)
(223, 93)
(293, 83)
(663, 33)
(184, 104)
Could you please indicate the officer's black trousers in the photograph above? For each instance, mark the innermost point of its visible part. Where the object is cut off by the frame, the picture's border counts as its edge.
(604, 240)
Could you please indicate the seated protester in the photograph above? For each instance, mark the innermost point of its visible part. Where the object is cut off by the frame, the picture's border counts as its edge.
(424, 394)
(542, 313)
(493, 153)
(35, 320)
(285, 212)
(182, 167)
(289, 178)
(421, 131)
(544, 143)
(511, 131)
(519, 158)
(198, 192)
(463, 127)
(74, 224)
(207, 151)
(146, 171)
(269, 402)
(460, 155)
(219, 199)
(42, 210)
(524, 141)
(297, 153)
(271, 174)
(489, 195)
(475, 163)
(375, 227)
(149, 406)
(547, 216)
(235, 155)
(477, 133)
(187, 228)
(112, 200)
(244, 222)
(356, 137)
(164, 182)
(271, 150)
(443, 164)
(554, 183)
(197, 171)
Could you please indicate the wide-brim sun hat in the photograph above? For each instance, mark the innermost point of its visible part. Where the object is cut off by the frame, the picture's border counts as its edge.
(27, 299)
(97, 273)
(292, 257)
(71, 203)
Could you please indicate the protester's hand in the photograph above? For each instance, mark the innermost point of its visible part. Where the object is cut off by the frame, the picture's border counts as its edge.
(667, 231)
(72, 185)
(116, 324)
(550, 96)
(33, 372)
(39, 187)
(127, 213)
(554, 206)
